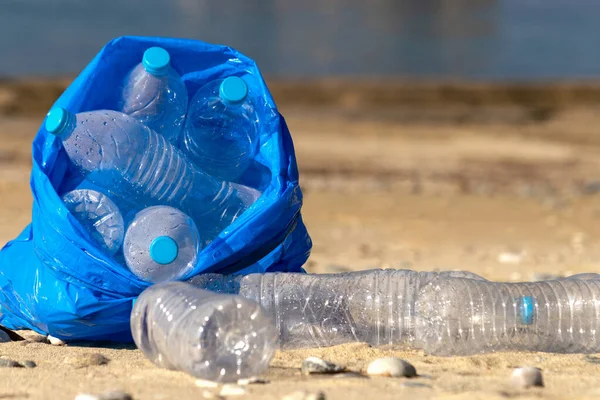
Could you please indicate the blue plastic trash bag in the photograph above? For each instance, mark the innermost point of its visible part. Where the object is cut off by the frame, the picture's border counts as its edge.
(55, 280)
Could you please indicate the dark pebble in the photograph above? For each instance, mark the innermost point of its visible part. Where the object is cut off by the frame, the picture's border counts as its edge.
(5, 363)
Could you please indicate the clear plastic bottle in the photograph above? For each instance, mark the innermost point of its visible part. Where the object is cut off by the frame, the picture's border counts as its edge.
(217, 337)
(161, 244)
(155, 95)
(447, 313)
(462, 316)
(127, 208)
(221, 131)
(114, 150)
(99, 215)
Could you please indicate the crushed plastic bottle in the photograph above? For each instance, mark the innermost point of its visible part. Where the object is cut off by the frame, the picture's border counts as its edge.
(446, 313)
(127, 208)
(98, 215)
(117, 151)
(161, 244)
(221, 131)
(217, 337)
(155, 95)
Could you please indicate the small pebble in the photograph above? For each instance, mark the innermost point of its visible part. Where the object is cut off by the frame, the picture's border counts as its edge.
(113, 395)
(315, 365)
(86, 360)
(302, 395)
(592, 187)
(251, 381)
(232, 390)
(392, 367)
(4, 338)
(5, 363)
(12, 335)
(206, 384)
(416, 385)
(527, 377)
(55, 341)
(29, 364)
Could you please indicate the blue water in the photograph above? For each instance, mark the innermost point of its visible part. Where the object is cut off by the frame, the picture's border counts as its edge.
(489, 39)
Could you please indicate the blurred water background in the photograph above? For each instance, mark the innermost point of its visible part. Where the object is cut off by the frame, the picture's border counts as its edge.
(498, 40)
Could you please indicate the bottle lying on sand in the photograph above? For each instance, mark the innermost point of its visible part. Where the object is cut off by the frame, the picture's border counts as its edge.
(217, 337)
(118, 152)
(446, 313)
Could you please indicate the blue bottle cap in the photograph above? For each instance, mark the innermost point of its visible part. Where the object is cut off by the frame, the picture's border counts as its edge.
(156, 61)
(57, 120)
(164, 250)
(526, 310)
(233, 89)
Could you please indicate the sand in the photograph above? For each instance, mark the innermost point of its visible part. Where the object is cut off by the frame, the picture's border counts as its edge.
(475, 377)
(510, 201)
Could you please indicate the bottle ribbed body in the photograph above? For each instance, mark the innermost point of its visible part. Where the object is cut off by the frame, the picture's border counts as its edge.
(463, 316)
(117, 152)
(445, 313)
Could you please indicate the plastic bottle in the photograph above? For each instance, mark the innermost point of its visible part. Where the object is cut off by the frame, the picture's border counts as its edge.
(98, 215)
(221, 131)
(161, 244)
(127, 208)
(217, 337)
(465, 316)
(155, 95)
(114, 150)
(448, 313)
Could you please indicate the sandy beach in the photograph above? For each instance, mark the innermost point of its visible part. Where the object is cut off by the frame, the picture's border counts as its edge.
(507, 193)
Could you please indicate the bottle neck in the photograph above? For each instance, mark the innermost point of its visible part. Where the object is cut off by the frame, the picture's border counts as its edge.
(232, 104)
(68, 129)
(157, 75)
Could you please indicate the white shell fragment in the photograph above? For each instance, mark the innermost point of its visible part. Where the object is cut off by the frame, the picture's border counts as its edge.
(392, 367)
(527, 377)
